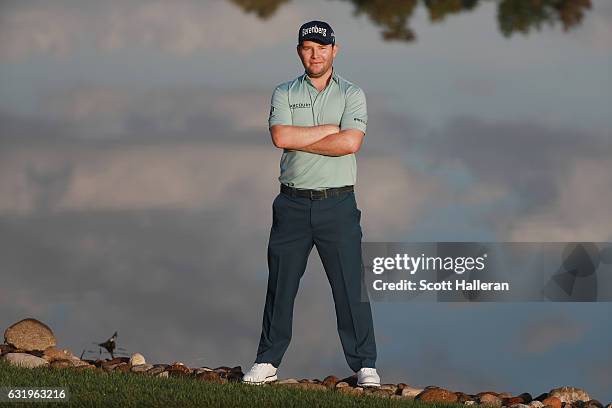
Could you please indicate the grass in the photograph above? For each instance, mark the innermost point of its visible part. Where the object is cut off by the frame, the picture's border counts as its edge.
(88, 388)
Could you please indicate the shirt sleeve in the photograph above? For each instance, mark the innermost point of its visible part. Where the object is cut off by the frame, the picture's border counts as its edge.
(280, 114)
(355, 114)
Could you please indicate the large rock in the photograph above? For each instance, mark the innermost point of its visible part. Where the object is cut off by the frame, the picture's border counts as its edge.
(24, 360)
(29, 335)
(437, 395)
(569, 394)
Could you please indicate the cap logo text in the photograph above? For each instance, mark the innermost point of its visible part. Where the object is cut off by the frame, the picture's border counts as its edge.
(314, 29)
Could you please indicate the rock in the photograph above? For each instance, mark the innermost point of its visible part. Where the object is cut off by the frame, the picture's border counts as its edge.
(115, 361)
(330, 381)
(6, 348)
(490, 399)
(409, 392)
(122, 367)
(137, 359)
(287, 381)
(141, 368)
(519, 406)
(513, 401)
(593, 404)
(569, 394)
(553, 402)
(156, 370)
(235, 374)
(29, 334)
(536, 404)
(61, 364)
(388, 387)
(504, 395)
(178, 370)
(524, 398)
(437, 395)
(161, 365)
(352, 380)
(109, 367)
(470, 402)
(200, 370)
(541, 397)
(209, 376)
(609, 405)
(24, 360)
(53, 353)
(350, 390)
(462, 397)
(342, 384)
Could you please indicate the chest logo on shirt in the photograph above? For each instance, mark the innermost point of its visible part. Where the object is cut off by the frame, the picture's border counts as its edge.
(300, 105)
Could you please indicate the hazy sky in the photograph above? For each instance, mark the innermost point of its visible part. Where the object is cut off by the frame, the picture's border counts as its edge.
(137, 178)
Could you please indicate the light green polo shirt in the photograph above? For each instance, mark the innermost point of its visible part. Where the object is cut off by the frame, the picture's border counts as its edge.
(298, 103)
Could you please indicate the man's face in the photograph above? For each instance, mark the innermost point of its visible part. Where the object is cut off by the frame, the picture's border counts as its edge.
(316, 58)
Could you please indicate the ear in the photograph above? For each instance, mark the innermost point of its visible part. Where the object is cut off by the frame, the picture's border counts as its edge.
(335, 50)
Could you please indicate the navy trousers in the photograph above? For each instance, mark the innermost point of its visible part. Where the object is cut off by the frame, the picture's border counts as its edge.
(333, 225)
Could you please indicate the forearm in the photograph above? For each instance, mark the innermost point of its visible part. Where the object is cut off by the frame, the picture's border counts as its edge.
(335, 144)
(297, 137)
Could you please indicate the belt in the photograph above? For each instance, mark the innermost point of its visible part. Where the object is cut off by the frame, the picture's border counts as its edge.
(315, 194)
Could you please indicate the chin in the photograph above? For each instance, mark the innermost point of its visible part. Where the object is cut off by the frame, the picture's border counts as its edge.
(316, 74)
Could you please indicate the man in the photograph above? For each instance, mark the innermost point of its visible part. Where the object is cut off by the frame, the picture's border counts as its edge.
(319, 120)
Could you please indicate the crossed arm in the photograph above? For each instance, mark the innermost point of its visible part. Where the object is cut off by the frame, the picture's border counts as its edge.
(327, 140)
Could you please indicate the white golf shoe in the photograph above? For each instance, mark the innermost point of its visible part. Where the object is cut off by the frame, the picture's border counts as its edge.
(367, 377)
(260, 373)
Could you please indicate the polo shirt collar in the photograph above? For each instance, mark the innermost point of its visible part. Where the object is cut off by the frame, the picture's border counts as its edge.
(306, 78)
